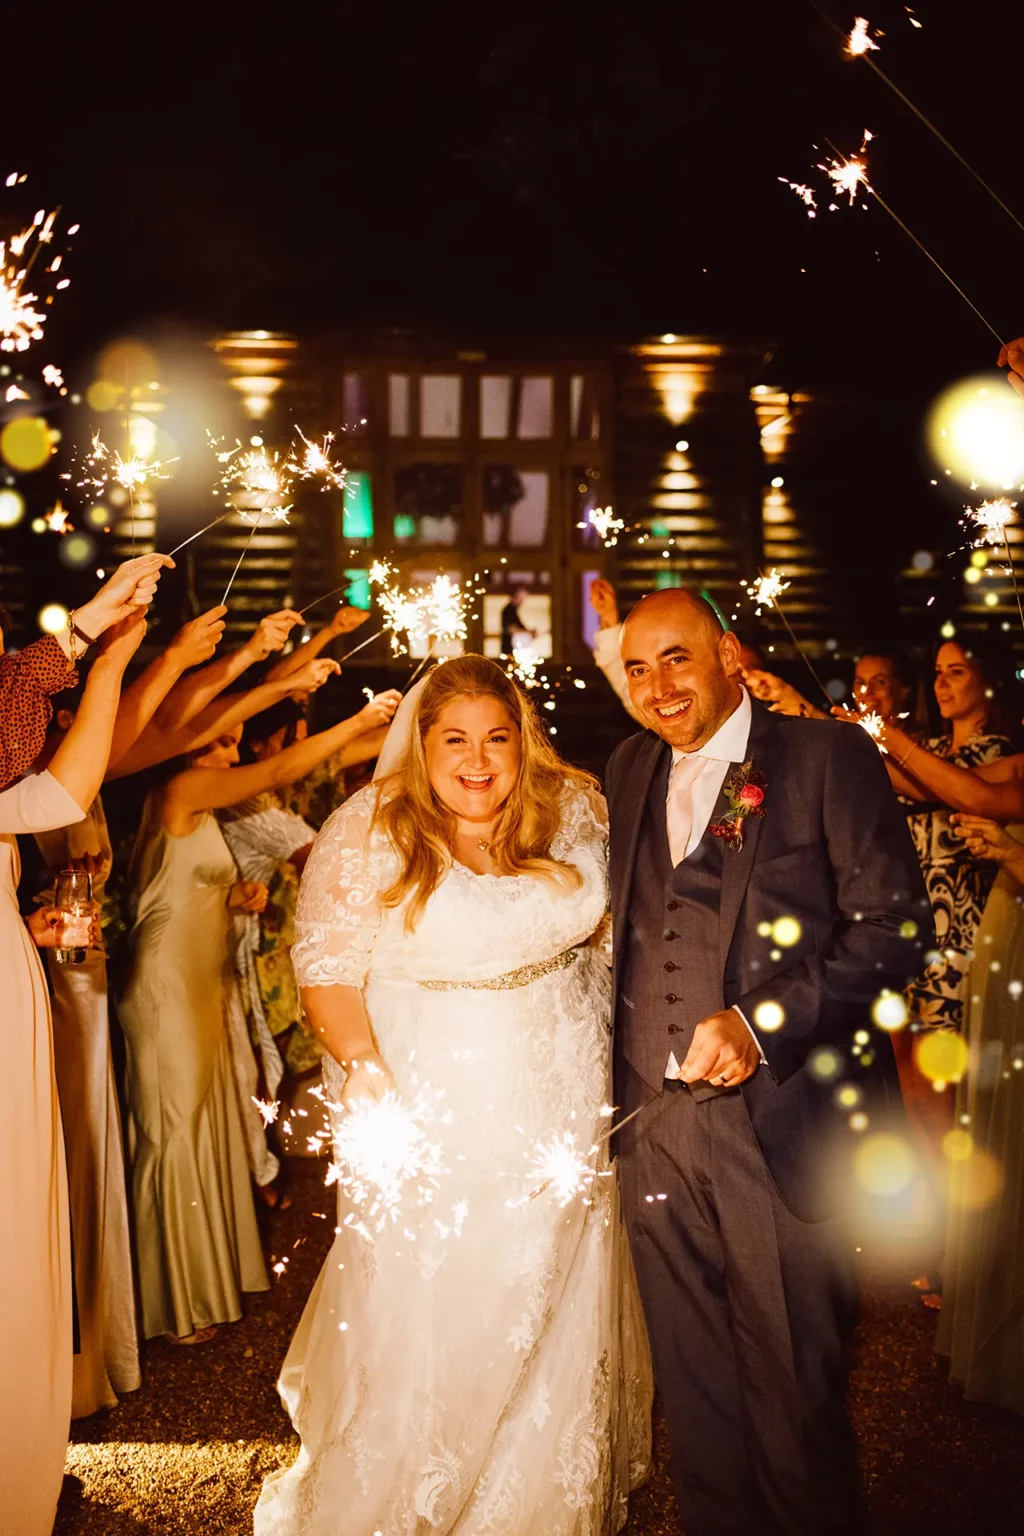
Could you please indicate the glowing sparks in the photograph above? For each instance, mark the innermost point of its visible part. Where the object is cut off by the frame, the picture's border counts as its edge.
(558, 1165)
(316, 462)
(56, 519)
(872, 722)
(54, 378)
(268, 1111)
(859, 41)
(848, 176)
(102, 467)
(605, 524)
(422, 615)
(523, 666)
(767, 590)
(383, 1157)
(992, 518)
(23, 312)
(807, 195)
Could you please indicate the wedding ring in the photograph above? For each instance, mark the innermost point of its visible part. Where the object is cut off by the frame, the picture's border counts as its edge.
(723, 1079)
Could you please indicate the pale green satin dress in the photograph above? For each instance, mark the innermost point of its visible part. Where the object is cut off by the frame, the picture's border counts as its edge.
(196, 1233)
(981, 1326)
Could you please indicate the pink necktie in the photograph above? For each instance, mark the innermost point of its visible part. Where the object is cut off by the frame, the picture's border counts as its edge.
(679, 805)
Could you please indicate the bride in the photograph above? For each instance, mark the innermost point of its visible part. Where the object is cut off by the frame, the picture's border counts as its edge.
(472, 1358)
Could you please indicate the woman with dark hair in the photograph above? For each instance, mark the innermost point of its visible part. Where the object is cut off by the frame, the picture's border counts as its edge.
(472, 1357)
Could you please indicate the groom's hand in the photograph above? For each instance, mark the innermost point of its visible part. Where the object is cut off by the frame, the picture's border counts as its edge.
(722, 1052)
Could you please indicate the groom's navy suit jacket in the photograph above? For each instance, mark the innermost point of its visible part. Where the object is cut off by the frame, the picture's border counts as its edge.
(833, 851)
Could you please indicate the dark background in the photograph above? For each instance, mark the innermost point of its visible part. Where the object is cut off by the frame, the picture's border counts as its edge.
(575, 170)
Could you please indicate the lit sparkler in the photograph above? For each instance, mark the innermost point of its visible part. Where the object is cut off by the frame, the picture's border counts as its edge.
(992, 519)
(252, 474)
(57, 519)
(269, 1112)
(765, 593)
(23, 313)
(383, 1156)
(605, 524)
(560, 1166)
(316, 461)
(806, 194)
(859, 41)
(872, 722)
(102, 467)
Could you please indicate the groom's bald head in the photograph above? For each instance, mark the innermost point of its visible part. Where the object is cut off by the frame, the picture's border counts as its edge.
(681, 665)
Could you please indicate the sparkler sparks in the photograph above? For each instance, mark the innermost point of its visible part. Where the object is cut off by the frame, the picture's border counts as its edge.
(253, 473)
(432, 615)
(316, 461)
(605, 524)
(57, 519)
(859, 41)
(807, 195)
(103, 466)
(383, 1155)
(23, 313)
(559, 1166)
(268, 1111)
(872, 722)
(767, 590)
(992, 518)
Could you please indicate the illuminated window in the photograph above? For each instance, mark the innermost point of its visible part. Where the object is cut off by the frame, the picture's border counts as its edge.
(515, 506)
(440, 395)
(428, 503)
(536, 407)
(357, 506)
(584, 419)
(589, 492)
(355, 404)
(398, 405)
(495, 405)
(517, 616)
(357, 593)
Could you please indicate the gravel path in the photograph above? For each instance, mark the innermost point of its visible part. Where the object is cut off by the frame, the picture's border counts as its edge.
(187, 1454)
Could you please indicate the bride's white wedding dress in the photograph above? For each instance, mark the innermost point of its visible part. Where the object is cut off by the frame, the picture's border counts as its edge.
(480, 1364)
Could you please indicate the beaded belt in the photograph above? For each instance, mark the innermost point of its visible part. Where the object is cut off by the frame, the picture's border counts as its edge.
(518, 978)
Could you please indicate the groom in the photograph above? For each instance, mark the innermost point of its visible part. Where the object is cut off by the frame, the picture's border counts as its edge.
(765, 891)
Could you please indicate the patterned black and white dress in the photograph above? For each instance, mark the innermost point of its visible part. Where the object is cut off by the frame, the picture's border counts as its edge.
(958, 885)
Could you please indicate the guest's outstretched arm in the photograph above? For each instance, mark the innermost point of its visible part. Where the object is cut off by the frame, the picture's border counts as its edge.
(194, 693)
(343, 622)
(194, 643)
(80, 761)
(994, 789)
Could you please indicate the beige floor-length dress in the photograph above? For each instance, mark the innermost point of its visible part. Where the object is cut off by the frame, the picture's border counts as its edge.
(35, 1262)
(107, 1361)
(197, 1240)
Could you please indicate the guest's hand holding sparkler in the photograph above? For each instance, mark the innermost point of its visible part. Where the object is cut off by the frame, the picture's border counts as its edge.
(345, 620)
(313, 673)
(380, 710)
(988, 840)
(132, 586)
(368, 1078)
(781, 697)
(197, 640)
(1011, 355)
(604, 602)
(272, 632)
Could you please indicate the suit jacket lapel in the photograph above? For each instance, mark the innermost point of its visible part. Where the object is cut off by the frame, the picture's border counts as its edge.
(762, 752)
(631, 813)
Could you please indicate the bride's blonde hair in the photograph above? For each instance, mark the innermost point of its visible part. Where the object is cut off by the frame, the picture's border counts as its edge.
(420, 826)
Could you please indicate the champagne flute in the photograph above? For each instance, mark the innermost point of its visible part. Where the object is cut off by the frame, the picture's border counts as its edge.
(73, 899)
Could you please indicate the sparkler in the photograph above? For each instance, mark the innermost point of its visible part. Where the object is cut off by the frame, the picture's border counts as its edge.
(872, 722)
(22, 313)
(605, 524)
(251, 472)
(859, 45)
(382, 1154)
(316, 460)
(849, 174)
(765, 593)
(992, 519)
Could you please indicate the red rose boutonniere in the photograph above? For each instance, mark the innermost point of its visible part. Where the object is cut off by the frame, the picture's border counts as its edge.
(744, 790)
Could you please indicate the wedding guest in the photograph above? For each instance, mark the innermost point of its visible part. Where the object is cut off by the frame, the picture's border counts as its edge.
(270, 845)
(35, 1275)
(107, 1358)
(1011, 355)
(197, 1241)
(981, 1328)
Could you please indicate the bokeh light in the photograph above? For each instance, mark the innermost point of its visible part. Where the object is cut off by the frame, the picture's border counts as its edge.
(941, 1055)
(52, 618)
(786, 931)
(884, 1164)
(976, 432)
(98, 515)
(76, 550)
(957, 1145)
(25, 443)
(974, 1181)
(825, 1063)
(12, 507)
(769, 1016)
(889, 1010)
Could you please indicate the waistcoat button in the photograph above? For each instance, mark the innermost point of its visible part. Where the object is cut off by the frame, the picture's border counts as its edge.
(670, 965)
(670, 933)
(672, 906)
(673, 1029)
(670, 997)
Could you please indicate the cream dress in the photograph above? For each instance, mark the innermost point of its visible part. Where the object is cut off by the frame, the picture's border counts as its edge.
(479, 1364)
(107, 1361)
(195, 1223)
(35, 1261)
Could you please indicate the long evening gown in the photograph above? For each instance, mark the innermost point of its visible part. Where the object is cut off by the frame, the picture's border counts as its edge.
(107, 1361)
(196, 1236)
(981, 1326)
(479, 1364)
(35, 1263)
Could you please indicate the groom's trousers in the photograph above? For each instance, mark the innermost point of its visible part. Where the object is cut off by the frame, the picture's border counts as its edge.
(749, 1311)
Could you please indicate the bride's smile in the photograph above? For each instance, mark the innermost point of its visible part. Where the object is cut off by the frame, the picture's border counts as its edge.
(472, 752)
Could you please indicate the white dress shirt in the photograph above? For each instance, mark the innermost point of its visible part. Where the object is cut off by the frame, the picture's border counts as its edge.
(727, 746)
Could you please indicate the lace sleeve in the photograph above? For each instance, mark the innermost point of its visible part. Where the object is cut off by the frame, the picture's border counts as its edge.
(584, 820)
(338, 910)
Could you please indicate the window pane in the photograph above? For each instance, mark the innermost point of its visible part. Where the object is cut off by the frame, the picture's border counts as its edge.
(495, 405)
(357, 506)
(515, 506)
(357, 594)
(518, 616)
(355, 404)
(439, 405)
(535, 407)
(398, 405)
(428, 503)
(584, 420)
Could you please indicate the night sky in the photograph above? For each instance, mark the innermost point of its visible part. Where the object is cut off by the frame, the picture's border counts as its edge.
(474, 169)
